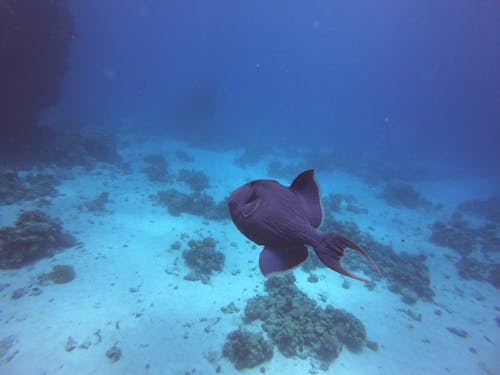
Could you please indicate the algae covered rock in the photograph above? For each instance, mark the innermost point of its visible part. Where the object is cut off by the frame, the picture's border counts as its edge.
(62, 274)
(299, 327)
(33, 236)
(203, 259)
(246, 349)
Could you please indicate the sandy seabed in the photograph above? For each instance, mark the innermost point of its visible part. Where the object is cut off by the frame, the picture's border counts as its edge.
(130, 290)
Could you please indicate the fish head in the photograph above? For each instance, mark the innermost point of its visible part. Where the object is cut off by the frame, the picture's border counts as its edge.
(244, 201)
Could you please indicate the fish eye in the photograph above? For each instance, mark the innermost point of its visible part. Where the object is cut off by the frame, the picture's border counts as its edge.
(252, 197)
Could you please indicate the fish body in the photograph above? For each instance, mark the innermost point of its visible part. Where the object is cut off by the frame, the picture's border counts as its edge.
(284, 219)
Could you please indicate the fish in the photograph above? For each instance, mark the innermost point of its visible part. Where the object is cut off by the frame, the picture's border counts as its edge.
(285, 219)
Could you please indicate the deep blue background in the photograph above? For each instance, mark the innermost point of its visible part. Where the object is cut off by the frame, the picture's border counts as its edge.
(411, 80)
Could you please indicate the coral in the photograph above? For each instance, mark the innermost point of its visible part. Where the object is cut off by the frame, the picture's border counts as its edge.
(327, 349)
(196, 180)
(297, 326)
(156, 168)
(199, 204)
(471, 269)
(246, 349)
(114, 353)
(14, 188)
(488, 209)
(494, 277)
(406, 274)
(33, 236)
(455, 234)
(203, 259)
(403, 194)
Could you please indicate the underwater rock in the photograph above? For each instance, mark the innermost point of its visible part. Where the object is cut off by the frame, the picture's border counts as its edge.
(297, 326)
(196, 180)
(327, 349)
(156, 168)
(458, 332)
(114, 353)
(199, 204)
(230, 309)
(456, 234)
(33, 236)
(488, 209)
(18, 293)
(98, 205)
(372, 345)
(404, 272)
(15, 188)
(6, 344)
(246, 349)
(61, 274)
(494, 277)
(471, 269)
(203, 259)
(70, 344)
(403, 194)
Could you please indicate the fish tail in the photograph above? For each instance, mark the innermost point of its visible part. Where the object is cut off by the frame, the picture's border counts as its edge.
(331, 249)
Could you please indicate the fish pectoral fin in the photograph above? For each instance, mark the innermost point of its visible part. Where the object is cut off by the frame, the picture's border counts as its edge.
(250, 207)
(274, 260)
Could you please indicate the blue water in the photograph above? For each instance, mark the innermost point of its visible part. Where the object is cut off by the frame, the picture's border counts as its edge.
(375, 96)
(416, 81)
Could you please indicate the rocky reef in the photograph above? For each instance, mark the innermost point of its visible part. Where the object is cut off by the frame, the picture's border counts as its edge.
(456, 234)
(488, 209)
(246, 349)
(406, 274)
(199, 204)
(156, 168)
(15, 187)
(459, 235)
(403, 194)
(196, 180)
(33, 236)
(203, 259)
(299, 327)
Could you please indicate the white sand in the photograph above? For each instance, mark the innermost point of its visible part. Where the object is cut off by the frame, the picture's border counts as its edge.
(167, 325)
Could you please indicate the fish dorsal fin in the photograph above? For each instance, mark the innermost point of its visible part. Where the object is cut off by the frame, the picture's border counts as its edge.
(305, 186)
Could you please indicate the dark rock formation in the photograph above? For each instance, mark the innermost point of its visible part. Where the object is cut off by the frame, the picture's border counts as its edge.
(14, 188)
(403, 194)
(406, 274)
(196, 180)
(199, 204)
(455, 234)
(33, 236)
(488, 209)
(61, 274)
(156, 168)
(298, 327)
(246, 350)
(203, 259)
